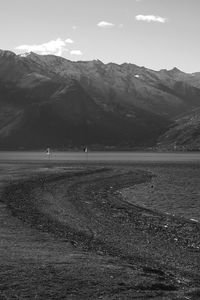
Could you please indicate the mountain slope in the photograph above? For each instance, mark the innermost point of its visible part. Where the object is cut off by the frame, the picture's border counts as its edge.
(50, 101)
(70, 117)
(184, 134)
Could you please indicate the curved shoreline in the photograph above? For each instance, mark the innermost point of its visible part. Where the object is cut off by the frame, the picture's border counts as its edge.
(24, 208)
(88, 211)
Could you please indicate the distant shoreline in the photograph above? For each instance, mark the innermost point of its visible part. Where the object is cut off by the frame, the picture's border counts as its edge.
(96, 156)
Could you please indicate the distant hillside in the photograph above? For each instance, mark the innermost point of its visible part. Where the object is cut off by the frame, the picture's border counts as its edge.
(50, 101)
(184, 134)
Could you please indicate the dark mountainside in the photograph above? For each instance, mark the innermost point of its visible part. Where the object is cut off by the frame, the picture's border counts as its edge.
(51, 101)
(184, 134)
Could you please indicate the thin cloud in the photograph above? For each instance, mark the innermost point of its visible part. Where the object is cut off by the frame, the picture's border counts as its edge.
(104, 24)
(55, 47)
(74, 27)
(151, 18)
(69, 41)
(76, 52)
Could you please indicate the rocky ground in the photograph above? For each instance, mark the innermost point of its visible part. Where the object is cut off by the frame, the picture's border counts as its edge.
(67, 232)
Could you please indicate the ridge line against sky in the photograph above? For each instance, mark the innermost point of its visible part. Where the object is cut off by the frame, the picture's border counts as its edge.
(152, 33)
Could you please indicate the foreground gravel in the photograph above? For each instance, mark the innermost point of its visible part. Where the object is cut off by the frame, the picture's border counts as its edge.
(107, 248)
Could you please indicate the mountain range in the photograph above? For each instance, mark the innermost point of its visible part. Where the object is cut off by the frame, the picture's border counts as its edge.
(49, 101)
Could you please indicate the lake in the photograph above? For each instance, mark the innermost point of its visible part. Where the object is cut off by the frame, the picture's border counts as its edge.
(100, 156)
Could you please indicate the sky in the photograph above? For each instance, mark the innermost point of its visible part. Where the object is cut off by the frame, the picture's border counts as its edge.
(157, 34)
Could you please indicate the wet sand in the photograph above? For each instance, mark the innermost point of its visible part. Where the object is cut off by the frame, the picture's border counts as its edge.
(68, 232)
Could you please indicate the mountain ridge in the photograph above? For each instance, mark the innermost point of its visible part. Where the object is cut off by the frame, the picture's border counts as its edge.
(88, 102)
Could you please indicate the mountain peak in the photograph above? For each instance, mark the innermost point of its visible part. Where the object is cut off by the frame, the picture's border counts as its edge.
(175, 70)
(6, 53)
(30, 54)
(25, 54)
(98, 61)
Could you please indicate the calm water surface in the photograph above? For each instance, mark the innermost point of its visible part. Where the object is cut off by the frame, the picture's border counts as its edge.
(101, 156)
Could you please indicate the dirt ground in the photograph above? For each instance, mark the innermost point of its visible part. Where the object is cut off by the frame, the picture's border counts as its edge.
(69, 231)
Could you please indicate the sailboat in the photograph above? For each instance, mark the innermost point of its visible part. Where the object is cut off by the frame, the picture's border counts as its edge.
(48, 152)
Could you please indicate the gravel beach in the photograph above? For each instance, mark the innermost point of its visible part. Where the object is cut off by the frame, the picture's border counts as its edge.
(75, 236)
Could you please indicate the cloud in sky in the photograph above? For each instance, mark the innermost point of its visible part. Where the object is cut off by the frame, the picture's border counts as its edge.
(151, 18)
(69, 41)
(55, 47)
(76, 52)
(105, 24)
